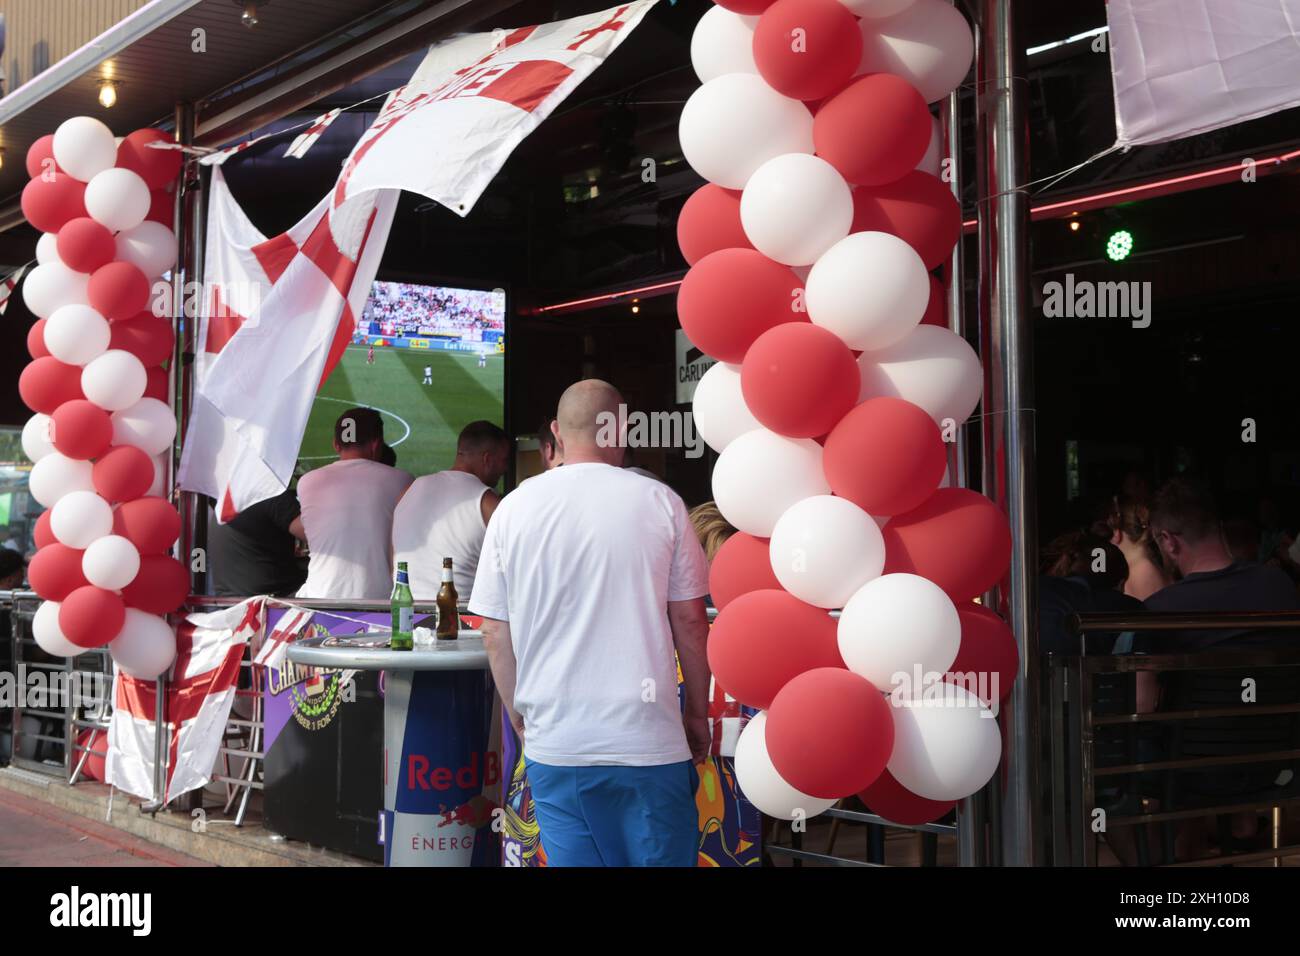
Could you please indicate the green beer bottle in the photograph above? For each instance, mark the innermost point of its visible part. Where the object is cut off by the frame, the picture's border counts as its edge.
(403, 612)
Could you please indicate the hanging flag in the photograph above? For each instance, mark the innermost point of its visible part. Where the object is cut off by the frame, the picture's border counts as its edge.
(292, 625)
(276, 317)
(1183, 67)
(473, 100)
(307, 138)
(8, 285)
(199, 695)
(219, 156)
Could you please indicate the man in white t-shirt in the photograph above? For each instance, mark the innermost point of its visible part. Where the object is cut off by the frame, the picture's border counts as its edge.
(347, 513)
(428, 375)
(445, 515)
(590, 576)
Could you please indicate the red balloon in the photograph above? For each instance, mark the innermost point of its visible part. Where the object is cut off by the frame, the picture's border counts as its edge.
(147, 337)
(161, 587)
(162, 207)
(156, 387)
(47, 383)
(890, 799)
(919, 208)
(157, 167)
(814, 62)
(118, 291)
(81, 429)
(957, 538)
(764, 638)
(741, 565)
(123, 474)
(936, 309)
(84, 245)
(91, 617)
(93, 739)
(886, 456)
(830, 733)
(36, 340)
(749, 8)
(799, 379)
(55, 571)
(50, 202)
(873, 131)
(41, 534)
(151, 524)
(38, 153)
(987, 653)
(731, 297)
(710, 221)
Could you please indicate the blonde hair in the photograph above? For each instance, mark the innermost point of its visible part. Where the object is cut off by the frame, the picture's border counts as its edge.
(710, 527)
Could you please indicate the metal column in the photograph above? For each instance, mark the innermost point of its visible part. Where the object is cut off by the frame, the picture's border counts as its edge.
(1006, 345)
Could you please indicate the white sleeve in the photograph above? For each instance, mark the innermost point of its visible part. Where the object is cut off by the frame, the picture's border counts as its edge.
(490, 597)
(689, 575)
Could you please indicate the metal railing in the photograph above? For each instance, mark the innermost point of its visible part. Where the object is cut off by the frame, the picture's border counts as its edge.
(1140, 791)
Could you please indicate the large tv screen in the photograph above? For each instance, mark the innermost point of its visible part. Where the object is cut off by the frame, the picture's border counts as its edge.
(430, 359)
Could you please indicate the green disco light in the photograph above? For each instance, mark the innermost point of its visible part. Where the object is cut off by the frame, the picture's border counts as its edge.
(1119, 245)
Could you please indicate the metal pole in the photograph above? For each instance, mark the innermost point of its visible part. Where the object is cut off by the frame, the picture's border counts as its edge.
(971, 815)
(1007, 348)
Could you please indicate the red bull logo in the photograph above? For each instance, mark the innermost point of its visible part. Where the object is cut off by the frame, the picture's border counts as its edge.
(421, 775)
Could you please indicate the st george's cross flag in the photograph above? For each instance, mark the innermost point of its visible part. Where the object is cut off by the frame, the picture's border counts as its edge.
(308, 137)
(278, 313)
(1183, 67)
(199, 694)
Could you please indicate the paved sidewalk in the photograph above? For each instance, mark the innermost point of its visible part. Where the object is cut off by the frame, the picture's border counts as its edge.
(33, 833)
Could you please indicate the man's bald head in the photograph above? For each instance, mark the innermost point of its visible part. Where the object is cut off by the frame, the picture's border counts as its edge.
(583, 414)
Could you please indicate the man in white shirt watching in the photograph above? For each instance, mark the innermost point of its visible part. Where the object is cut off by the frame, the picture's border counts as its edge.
(347, 513)
(590, 576)
(445, 515)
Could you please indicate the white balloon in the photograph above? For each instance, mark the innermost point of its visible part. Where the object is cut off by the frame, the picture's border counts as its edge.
(47, 633)
(80, 518)
(47, 248)
(870, 289)
(115, 380)
(723, 42)
(148, 425)
(932, 161)
(760, 474)
(36, 437)
(929, 44)
(51, 286)
(146, 645)
(57, 475)
(734, 123)
(718, 409)
(895, 624)
(84, 147)
(150, 245)
(118, 199)
(77, 334)
(823, 549)
(762, 785)
(877, 9)
(932, 367)
(110, 562)
(159, 485)
(795, 207)
(945, 748)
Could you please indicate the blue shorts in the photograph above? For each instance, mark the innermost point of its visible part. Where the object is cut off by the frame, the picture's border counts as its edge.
(616, 816)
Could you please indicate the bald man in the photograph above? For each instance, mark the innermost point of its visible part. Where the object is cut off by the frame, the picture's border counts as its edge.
(590, 577)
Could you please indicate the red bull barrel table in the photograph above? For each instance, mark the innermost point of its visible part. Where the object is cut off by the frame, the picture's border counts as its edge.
(442, 760)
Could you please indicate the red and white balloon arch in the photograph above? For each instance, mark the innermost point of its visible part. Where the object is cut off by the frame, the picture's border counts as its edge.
(811, 250)
(102, 427)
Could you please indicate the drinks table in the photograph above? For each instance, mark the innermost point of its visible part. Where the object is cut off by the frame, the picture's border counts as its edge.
(442, 773)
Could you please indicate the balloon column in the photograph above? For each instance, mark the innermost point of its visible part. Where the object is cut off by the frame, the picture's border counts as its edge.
(102, 427)
(810, 250)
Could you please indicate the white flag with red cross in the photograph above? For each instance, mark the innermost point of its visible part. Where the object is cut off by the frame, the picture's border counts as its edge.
(473, 100)
(308, 137)
(200, 691)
